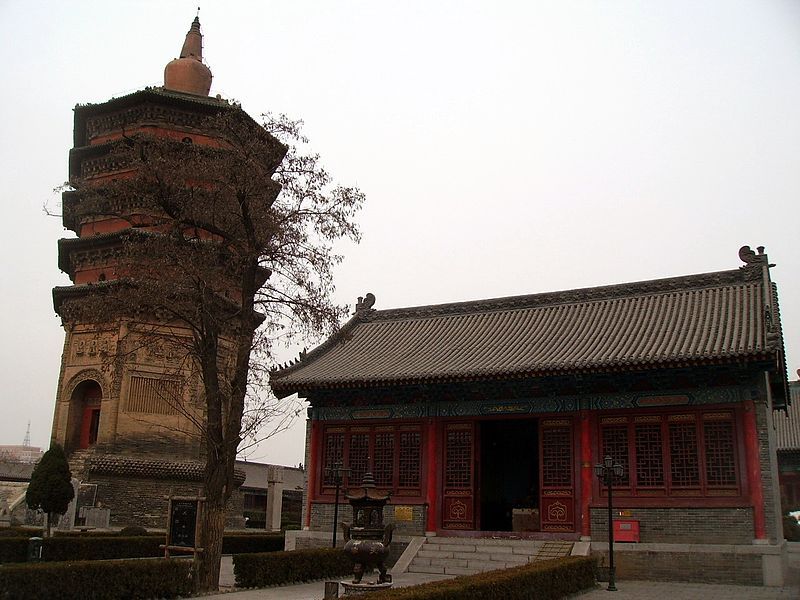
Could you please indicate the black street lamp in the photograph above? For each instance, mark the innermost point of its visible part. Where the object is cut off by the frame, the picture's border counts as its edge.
(605, 473)
(337, 472)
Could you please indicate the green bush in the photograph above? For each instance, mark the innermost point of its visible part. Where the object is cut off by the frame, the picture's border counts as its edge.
(21, 532)
(249, 543)
(14, 549)
(91, 546)
(101, 548)
(545, 580)
(261, 570)
(131, 531)
(97, 580)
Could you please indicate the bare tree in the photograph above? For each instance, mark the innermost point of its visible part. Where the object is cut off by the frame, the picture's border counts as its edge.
(227, 250)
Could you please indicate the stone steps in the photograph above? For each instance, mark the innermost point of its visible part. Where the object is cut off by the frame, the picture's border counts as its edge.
(467, 556)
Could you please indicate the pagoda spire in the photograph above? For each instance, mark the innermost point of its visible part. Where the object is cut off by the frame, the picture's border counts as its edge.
(188, 73)
(193, 45)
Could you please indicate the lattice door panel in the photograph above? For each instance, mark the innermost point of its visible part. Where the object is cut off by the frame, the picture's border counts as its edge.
(458, 507)
(557, 508)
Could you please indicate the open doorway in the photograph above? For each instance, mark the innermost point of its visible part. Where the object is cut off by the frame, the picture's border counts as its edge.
(509, 471)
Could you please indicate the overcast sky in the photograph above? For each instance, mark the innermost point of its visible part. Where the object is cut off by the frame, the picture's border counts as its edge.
(504, 147)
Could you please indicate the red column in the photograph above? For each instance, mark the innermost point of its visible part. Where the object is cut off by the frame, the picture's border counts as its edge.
(314, 459)
(754, 469)
(586, 473)
(430, 494)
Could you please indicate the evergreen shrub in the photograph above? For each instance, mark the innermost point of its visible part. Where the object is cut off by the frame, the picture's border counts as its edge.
(25, 532)
(249, 543)
(97, 580)
(261, 570)
(101, 548)
(14, 549)
(545, 580)
(132, 530)
(92, 546)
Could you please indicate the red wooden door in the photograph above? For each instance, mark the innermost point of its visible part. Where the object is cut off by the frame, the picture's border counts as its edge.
(557, 503)
(90, 425)
(458, 506)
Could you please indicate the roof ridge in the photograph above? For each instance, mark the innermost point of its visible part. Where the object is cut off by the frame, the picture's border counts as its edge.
(665, 285)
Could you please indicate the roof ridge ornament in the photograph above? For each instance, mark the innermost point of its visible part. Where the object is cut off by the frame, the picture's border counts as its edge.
(365, 303)
(751, 259)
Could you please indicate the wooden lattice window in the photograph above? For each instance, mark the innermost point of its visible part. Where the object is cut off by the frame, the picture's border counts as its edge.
(649, 455)
(556, 457)
(334, 455)
(358, 457)
(393, 453)
(615, 444)
(410, 459)
(684, 464)
(684, 454)
(458, 469)
(720, 456)
(383, 460)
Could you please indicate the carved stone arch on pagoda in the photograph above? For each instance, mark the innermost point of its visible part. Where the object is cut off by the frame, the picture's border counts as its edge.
(86, 375)
(85, 393)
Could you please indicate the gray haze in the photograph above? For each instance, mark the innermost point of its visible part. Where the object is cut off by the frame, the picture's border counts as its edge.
(504, 147)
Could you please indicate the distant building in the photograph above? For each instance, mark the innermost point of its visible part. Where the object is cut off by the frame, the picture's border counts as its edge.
(20, 454)
(272, 495)
(787, 428)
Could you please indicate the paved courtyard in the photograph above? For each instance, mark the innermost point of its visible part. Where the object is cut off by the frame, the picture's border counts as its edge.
(626, 590)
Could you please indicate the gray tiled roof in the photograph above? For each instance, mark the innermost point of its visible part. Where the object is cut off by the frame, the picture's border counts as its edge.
(787, 424)
(708, 318)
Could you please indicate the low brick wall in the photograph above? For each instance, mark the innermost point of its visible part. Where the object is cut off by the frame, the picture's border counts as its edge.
(700, 563)
(683, 525)
(143, 502)
(303, 540)
(322, 517)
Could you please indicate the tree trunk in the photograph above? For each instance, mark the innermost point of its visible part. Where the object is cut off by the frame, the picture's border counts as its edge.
(47, 523)
(212, 530)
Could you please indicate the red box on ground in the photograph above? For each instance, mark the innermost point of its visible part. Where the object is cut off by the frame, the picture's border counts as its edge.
(626, 530)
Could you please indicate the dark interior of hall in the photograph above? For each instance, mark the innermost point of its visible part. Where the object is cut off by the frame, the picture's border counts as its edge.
(509, 471)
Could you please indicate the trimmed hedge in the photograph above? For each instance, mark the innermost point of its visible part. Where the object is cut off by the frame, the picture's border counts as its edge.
(261, 570)
(97, 580)
(97, 547)
(13, 549)
(101, 548)
(248, 543)
(545, 580)
(20, 531)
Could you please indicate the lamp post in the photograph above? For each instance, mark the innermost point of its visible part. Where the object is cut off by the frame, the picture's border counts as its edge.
(606, 471)
(338, 472)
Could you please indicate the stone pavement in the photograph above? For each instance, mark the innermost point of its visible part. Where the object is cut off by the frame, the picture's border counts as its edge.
(626, 590)
(316, 589)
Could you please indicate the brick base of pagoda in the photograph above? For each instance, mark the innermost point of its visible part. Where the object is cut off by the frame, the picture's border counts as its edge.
(136, 489)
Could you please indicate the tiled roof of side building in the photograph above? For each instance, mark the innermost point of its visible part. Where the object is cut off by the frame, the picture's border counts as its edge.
(681, 321)
(787, 424)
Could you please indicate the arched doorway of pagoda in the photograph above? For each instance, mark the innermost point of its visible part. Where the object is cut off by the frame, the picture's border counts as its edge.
(85, 411)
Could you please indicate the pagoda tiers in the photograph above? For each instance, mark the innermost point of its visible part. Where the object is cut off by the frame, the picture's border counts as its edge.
(486, 418)
(126, 410)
